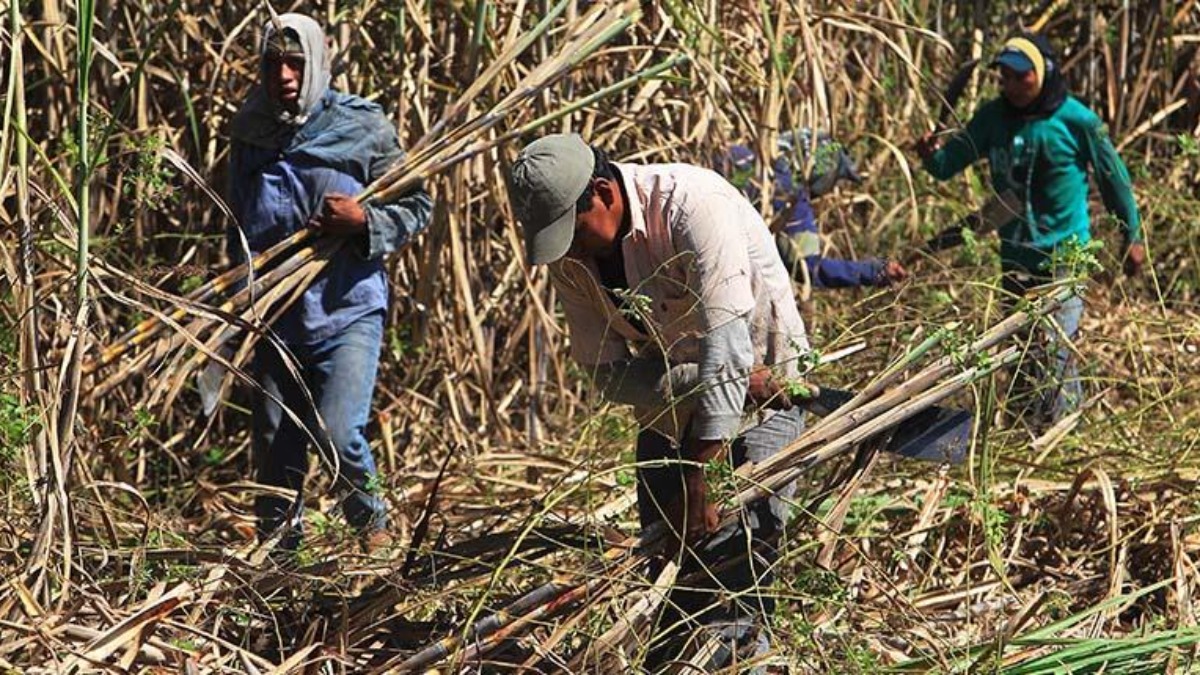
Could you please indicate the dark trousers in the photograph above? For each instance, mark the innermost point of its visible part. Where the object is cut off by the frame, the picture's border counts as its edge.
(726, 585)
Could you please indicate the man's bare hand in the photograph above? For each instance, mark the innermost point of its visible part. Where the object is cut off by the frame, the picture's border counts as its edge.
(894, 272)
(927, 145)
(690, 517)
(1135, 259)
(340, 214)
(766, 391)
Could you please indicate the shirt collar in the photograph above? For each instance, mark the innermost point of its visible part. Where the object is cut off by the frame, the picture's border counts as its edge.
(633, 205)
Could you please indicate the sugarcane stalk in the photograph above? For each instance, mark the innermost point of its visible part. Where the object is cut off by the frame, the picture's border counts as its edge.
(993, 336)
(210, 316)
(560, 603)
(653, 71)
(918, 385)
(549, 592)
(435, 143)
(633, 618)
(853, 415)
(460, 105)
(793, 461)
(149, 327)
(223, 328)
(426, 163)
(486, 626)
(172, 319)
(32, 384)
(895, 370)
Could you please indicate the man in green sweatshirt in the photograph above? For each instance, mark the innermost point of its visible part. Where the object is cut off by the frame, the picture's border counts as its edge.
(1039, 142)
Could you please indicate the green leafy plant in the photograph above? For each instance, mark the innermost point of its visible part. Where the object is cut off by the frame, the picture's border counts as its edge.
(190, 283)
(16, 425)
(797, 389)
(720, 481)
(374, 484)
(149, 179)
(1075, 258)
(636, 306)
(214, 455)
(1188, 145)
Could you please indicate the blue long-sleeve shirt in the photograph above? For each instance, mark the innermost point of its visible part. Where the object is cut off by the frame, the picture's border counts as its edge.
(799, 242)
(346, 143)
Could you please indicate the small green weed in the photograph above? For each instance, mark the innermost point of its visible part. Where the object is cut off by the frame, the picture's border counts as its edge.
(148, 178)
(16, 426)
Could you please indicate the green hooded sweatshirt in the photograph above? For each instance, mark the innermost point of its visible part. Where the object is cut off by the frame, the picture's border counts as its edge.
(1044, 160)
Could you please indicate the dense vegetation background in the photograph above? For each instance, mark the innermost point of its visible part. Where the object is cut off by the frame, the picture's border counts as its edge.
(127, 538)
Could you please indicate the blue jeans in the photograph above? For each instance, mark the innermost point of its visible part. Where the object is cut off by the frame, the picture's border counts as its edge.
(340, 375)
(726, 587)
(1046, 386)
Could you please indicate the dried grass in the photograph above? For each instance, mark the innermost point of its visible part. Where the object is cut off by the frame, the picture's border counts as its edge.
(1087, 534)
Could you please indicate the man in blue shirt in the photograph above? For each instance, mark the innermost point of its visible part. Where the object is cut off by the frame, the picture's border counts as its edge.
(799, 240)
(300, 149)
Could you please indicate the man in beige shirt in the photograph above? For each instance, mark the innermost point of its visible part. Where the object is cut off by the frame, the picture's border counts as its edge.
(675, 294)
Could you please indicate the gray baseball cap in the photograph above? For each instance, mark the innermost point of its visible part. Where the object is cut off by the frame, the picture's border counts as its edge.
(548, 177)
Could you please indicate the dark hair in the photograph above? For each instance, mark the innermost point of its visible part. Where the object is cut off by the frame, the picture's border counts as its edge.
(602, 169)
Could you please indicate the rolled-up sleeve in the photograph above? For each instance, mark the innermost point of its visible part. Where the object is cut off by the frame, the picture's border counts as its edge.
(669, 397)
(647, 384)
(726, 356)
(662, 394)
(391, 225)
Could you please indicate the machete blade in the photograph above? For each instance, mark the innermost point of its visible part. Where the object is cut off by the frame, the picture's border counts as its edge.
(935, 434)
